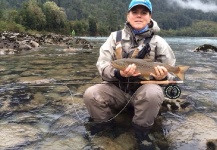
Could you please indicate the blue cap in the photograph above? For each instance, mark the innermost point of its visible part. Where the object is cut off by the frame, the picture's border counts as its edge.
(145, 3)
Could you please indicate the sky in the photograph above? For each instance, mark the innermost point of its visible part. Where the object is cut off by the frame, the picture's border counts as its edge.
(195, 4)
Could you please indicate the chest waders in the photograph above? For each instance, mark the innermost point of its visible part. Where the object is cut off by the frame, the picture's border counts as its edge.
(140, 52)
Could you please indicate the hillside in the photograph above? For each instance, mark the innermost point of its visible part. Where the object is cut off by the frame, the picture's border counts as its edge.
(111, 15)
(167, 16)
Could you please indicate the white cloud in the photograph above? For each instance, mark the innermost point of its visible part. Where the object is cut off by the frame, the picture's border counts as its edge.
(195, 4)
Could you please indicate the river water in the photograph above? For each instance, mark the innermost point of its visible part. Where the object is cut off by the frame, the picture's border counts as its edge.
(41, 100)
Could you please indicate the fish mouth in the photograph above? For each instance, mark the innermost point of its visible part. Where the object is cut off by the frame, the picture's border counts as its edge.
(113, 64)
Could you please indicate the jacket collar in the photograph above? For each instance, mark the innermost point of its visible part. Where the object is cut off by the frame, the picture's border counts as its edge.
(137, 37)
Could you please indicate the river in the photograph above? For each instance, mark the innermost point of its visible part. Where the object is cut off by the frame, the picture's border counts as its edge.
(41, 103)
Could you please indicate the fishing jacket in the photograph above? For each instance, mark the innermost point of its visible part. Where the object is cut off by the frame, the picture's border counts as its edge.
(158, 50)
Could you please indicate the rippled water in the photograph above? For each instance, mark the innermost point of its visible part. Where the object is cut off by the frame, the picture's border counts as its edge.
(41, 93)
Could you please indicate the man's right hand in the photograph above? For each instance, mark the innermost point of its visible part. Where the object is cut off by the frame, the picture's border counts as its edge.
(130, 71)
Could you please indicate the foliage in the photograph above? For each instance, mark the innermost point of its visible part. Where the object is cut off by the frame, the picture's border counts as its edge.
(55, 16)
(80, 27)
(11, 26)
(31, 16)
(197, 29)
(92, 26)
(9, 15)
(99, 18)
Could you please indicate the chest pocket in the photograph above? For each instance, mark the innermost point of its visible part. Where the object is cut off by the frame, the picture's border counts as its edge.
(139, 52)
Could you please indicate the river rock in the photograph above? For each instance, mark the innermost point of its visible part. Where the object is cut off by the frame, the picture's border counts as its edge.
(34, 44)
(211, 144)
(34, 80)
(190, 132)
(67, 143)
(13, 136)
(175, 105)
(14, 43)
(125, 141)
(206, 48)
(2, 68)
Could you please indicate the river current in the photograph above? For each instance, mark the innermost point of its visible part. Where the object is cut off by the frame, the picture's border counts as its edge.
(41, 103)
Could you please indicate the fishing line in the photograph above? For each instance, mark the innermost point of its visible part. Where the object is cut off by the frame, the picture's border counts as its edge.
(73, 102)
(75, 109)
(82, 121)
(171, 90)
(87, 134)
(169, 94)
(128, 82)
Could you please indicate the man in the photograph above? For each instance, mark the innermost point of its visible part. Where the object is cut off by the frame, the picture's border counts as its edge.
(100, 99)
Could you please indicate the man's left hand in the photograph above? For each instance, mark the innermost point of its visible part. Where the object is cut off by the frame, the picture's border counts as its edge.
(160, 73)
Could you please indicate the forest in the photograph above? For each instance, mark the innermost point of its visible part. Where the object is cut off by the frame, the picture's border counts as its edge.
(100, 17)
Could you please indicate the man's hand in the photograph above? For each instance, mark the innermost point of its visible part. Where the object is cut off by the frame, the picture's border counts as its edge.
(160, 73)
(130, 71)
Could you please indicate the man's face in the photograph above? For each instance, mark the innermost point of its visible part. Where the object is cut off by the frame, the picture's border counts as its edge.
(138, 17)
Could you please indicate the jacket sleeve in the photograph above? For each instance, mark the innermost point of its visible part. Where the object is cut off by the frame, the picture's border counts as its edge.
(106, 55)
(165, 54)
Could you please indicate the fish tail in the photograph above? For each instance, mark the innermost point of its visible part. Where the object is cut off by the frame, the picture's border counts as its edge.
(181, 72)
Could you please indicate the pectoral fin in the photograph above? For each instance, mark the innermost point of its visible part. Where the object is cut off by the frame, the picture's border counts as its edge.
(146, 77)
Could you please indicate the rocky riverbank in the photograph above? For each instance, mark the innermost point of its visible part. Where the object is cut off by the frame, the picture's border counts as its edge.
(15, 43)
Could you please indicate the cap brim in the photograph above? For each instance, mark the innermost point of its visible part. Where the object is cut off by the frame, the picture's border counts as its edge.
(138, 5)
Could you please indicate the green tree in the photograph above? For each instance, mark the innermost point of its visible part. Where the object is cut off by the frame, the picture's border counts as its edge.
(80, 27)
(102, 30)
(10, 15)
(55, 16)
(92, 27)
(32, 16)
(113, 21)
(1, 14)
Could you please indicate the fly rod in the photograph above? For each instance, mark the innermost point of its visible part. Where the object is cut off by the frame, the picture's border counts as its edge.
(161, 82)
(164, 82)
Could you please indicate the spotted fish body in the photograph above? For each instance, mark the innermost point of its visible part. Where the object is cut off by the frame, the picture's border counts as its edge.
(146, 67)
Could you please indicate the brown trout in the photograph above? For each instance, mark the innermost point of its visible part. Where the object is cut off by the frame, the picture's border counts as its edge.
(147, 67)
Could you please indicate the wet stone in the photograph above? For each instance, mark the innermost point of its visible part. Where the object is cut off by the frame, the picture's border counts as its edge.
(190, 132)
(14, 136)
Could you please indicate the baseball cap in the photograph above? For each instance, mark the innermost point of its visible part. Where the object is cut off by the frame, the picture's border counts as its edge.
(145, 3)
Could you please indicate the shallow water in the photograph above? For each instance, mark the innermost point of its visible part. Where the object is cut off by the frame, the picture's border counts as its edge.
(41, 94)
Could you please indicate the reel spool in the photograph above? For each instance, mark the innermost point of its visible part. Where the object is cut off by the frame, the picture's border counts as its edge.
(172, 91)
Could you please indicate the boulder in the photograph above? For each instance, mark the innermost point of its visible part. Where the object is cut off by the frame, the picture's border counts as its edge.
(196, 131)
(13, 43)
(206, 48)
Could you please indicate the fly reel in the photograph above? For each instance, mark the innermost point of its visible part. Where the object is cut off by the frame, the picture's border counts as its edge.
(172, 91)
